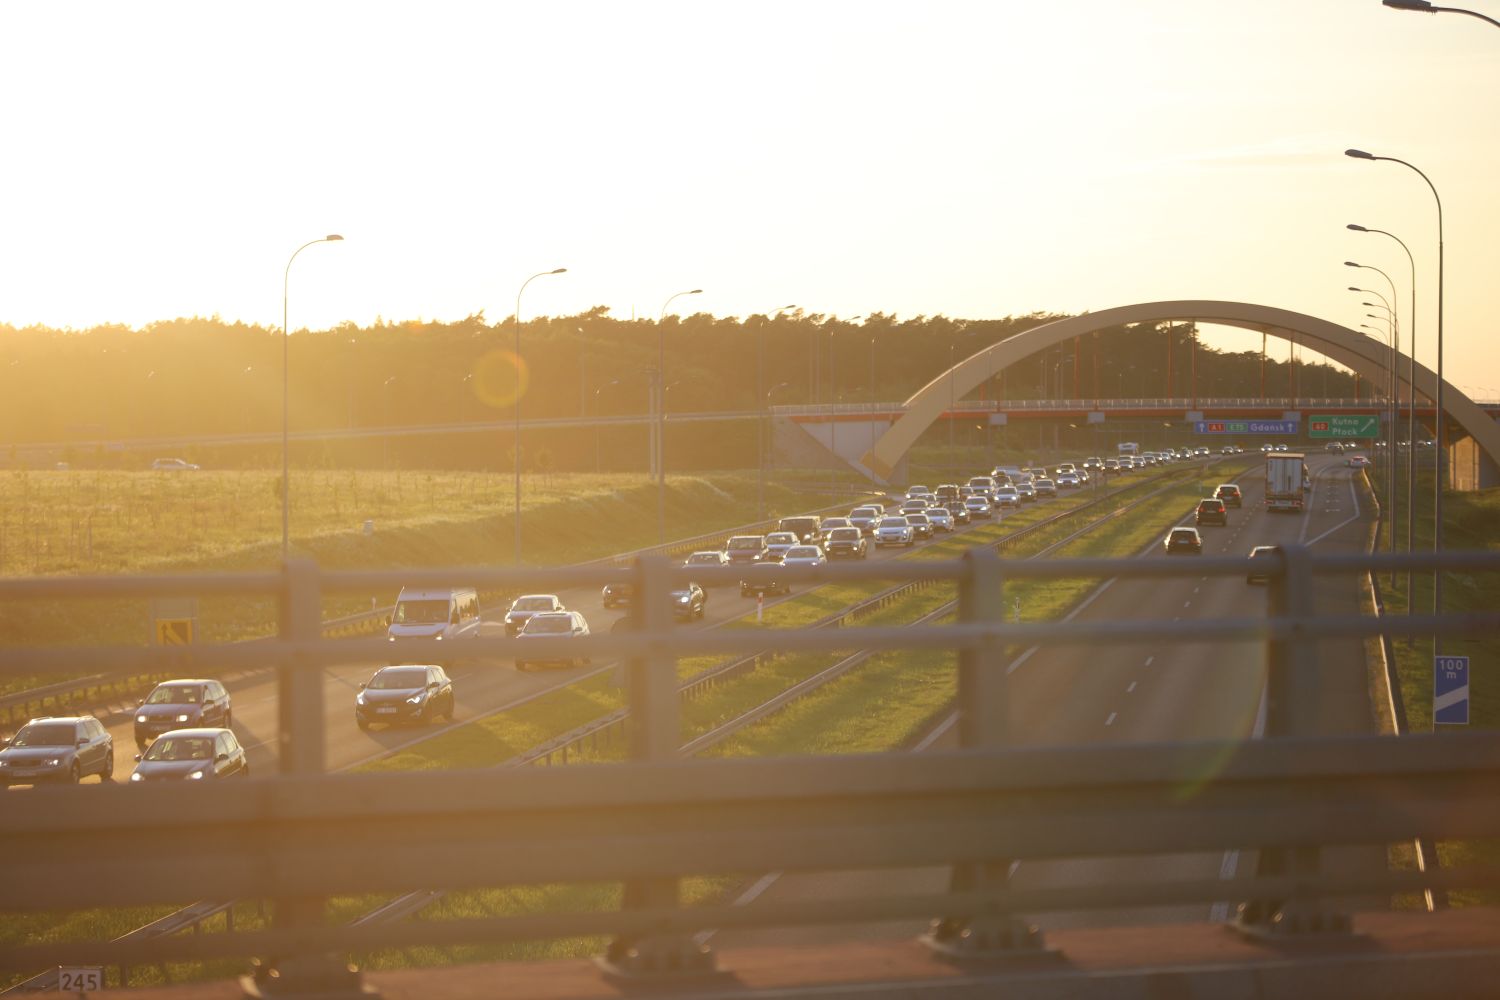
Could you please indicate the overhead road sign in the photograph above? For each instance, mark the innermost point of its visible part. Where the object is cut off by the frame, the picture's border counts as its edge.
(1344, 425)
(1245, 427)
(1450, 690)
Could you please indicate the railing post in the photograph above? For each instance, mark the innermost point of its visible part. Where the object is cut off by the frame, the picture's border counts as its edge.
(983, 723)
(655, 734)
(1293, 695)
(300, 751)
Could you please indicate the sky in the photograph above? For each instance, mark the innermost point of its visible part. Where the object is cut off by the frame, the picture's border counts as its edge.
(977, 160)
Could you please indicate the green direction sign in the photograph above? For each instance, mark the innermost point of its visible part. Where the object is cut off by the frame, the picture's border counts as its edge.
(1344, 425)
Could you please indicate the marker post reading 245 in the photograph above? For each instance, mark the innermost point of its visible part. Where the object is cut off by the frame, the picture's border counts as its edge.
(1450, 690)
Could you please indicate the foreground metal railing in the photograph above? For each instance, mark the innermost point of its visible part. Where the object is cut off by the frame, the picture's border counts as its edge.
(304, 836)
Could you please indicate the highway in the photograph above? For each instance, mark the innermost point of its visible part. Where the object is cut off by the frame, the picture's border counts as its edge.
(480, 688)
(1147, 693)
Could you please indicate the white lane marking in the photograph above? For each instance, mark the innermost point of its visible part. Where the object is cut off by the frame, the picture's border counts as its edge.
(1219, 912)
(937, 733)
(1186, 603)
(1111, 720)
(1195, 590)
(1149, 660)
(1131, 689)
(1351, 518)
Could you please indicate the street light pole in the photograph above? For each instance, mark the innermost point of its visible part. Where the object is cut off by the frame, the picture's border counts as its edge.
(1392, 307)
(286, 507)
(598, 453)
(1411, 402)
(516, 435)
(1424, 7)
(1438, 413)
(661, 416)
(762, 417)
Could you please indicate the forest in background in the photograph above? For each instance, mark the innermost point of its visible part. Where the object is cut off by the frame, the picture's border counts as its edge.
(205, 376)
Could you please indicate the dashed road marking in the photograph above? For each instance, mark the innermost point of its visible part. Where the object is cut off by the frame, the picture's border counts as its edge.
(1111, 720)
(1149, 660)
(1131, 689)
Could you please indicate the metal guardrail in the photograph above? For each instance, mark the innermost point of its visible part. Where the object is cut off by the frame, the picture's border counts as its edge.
(346, 626)
(287, 830)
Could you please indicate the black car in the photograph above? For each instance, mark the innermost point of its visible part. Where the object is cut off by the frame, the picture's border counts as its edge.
(844, 543)
(959, 511)
(1184, 541)
(192, 755)
(1211, 511)
(180, 704)
(765, 579)
(1263, 560)
(58, 749)
(619, 595)
(404, 694)
(808, 528)
(689, 601)
(745, 548)
(568, 624)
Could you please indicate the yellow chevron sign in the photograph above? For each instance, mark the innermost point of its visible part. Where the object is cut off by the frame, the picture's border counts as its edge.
(174, 631)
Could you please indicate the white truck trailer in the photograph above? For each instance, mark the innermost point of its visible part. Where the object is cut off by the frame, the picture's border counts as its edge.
(1286, 474)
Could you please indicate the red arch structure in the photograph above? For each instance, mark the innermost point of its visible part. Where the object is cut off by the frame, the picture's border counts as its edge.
(1354, 350)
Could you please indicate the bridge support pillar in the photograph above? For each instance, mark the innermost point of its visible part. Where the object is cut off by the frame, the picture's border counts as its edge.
(983, 722)
(1293, 690)
(300, 751)
(656, 734)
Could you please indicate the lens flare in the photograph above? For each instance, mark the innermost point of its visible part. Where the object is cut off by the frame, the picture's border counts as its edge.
(500, 378)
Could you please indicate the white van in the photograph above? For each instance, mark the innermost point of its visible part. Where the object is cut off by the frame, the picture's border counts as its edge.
(1130, 448)
(426, 616)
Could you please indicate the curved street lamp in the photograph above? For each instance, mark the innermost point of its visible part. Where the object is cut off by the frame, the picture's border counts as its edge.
(1438, 413)
(760, 417)
(516, 436)
(286, 508)
(1424, 7)
(661, 415)
(1411, 402)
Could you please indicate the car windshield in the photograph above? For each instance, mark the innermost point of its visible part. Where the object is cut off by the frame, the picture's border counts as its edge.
(781, 538)
(534, 604)
(744, 542)
(399, 680)
(894, 522)
(181, 748)
(703, 558)
(174, 694)
(803, 552)
(548, 625)
(862, 512)
(976, 501)
(1183, 534)
(917, 519)
(844, 535)
(421, 612)
(799, 524)
(45, 735)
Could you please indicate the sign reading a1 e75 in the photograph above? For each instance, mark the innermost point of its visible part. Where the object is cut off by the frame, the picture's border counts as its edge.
(1344, 425)
(1244, 426)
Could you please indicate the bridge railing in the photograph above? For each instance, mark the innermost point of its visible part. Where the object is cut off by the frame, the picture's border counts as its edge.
(303, 836)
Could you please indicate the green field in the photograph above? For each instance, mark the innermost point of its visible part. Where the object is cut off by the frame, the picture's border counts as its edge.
(60, 523)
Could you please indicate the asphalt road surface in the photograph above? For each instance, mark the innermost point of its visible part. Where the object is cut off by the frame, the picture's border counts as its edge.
(1144, 693)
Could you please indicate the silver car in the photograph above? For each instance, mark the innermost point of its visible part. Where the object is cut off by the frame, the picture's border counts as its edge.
(803, 555)
(941, 518)
(894, 531)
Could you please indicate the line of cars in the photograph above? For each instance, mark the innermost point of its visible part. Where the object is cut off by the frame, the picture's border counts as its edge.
(1185, 540)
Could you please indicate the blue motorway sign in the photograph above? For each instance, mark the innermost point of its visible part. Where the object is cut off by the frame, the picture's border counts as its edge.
(1450, 690)
(1245, 426)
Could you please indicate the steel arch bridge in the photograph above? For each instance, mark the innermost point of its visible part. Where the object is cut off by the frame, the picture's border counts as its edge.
(1365, 355)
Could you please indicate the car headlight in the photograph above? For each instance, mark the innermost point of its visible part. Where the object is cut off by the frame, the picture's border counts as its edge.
(184, 717)
(135, 776)
(683, 599)
(415, 699)
(390, 638)
(359, 699)
(439, 637)
(196, 775)
(53, 762)
(140, 718)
